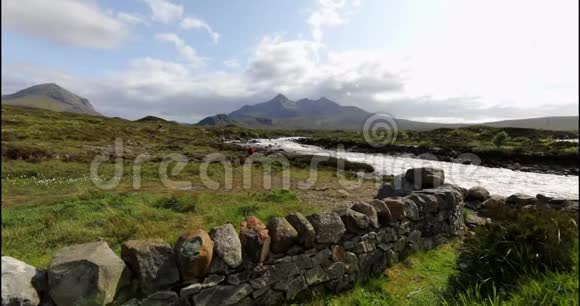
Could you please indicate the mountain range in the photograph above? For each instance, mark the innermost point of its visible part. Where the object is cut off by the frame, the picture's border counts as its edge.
(52, 97)
(283, 113)
(277, 113)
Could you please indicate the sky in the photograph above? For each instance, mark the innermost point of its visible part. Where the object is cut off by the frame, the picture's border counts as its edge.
(437, 61)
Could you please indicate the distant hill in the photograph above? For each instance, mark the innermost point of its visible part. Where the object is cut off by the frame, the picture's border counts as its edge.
(52, 97)
(569, 123)
(283, 113)
(151, 119)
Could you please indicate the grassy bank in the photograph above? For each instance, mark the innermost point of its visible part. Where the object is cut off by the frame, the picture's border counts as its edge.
(34, 232)
(423, 278)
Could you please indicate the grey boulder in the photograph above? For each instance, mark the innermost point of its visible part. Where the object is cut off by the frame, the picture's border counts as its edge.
(227, 245)
(86, 274)
(18, 279)
(153, 261)
(328, 226)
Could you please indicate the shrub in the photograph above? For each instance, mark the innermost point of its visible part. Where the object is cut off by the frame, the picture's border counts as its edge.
(518, 243)
(500, 138)
(178, 203)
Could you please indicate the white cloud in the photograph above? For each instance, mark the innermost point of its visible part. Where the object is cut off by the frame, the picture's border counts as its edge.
(330, 13)
(130, 18)
(186, 51)
(232, 63)
(72, 22)
(165, 11)
(473, 72)
(196, 23)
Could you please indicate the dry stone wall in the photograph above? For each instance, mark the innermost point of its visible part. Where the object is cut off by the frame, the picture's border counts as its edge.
(289, 259)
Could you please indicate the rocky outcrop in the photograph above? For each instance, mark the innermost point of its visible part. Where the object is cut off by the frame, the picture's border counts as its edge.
(86, 274)
(18, 283)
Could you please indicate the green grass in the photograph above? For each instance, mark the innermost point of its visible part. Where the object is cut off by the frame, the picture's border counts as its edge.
(542, 289)
(33, 233)
(419, 280)
(423, 278)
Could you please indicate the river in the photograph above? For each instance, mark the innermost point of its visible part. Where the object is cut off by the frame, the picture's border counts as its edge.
(497, 180)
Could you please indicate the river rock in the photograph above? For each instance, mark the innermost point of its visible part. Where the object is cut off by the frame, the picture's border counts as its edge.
(194, 254)
(306, 232)
(18, 280)
(354, 222)
(552, 202)
(282, 233)
(367, 210)
(477, 193)
(255, 239)
(494, 202)
(86, 274)
(227, 245)
(425, 177)
(520, 200)
(328, 226)
(396, 209)
(472, 221)
(153, 261)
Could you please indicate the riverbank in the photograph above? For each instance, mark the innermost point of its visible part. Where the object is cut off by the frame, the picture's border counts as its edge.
(555, 163)
(499, 181)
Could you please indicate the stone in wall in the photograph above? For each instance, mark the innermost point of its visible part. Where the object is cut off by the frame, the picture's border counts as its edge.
(329, 259)
(396, 208)
(153, 261)
(306, 232)
(328, 226)
(354, 221)
(255, 239)
(369, 211)
(194, 254)
(18, 279)
(227, 246)
(384, 216)
(86, 274)
(283, 235)
(425, 177)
